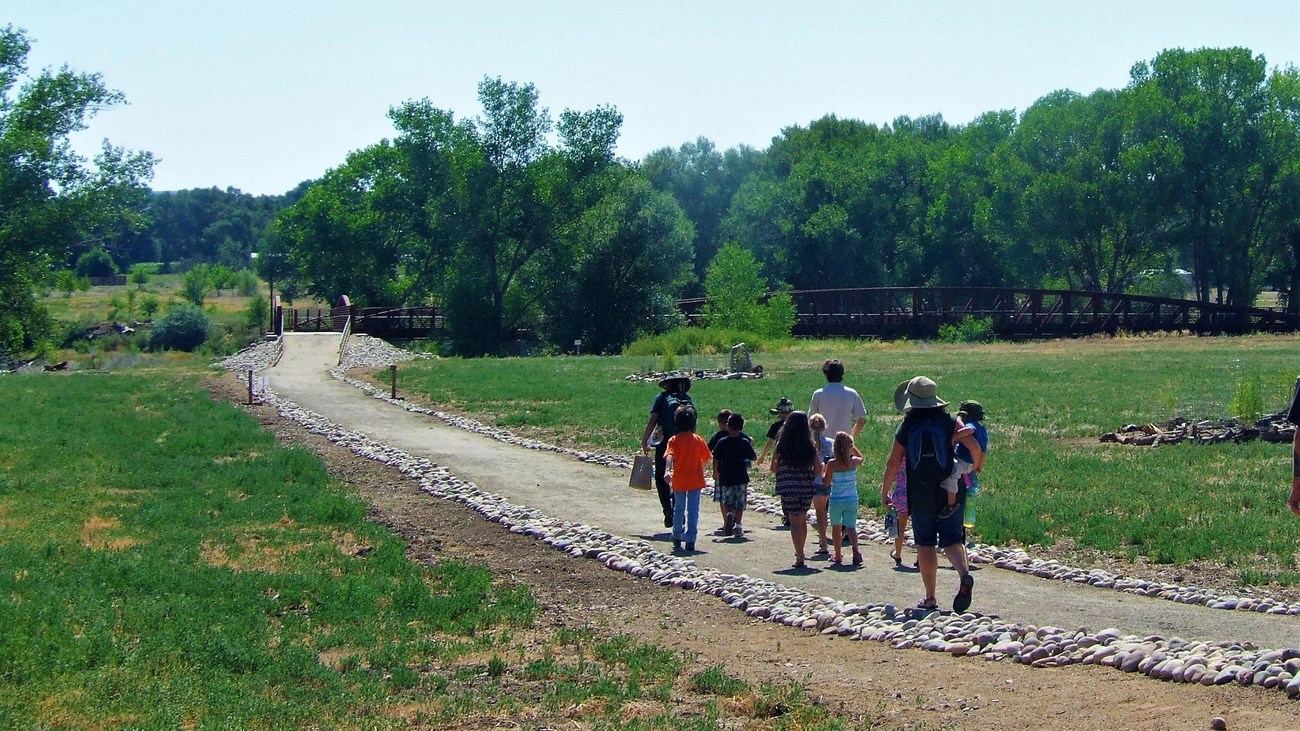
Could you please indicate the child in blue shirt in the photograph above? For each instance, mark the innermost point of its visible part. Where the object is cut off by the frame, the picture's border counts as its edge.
(841, 477)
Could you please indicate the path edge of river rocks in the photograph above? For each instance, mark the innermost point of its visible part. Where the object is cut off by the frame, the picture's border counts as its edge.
(969, 634)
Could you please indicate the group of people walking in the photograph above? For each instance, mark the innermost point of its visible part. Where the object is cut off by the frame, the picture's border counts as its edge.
(815, 461)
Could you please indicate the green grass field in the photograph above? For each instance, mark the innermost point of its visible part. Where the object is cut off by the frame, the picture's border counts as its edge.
(1047, 477)
(165, 564)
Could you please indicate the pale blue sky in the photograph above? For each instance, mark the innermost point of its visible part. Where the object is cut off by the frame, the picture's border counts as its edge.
(262, 95)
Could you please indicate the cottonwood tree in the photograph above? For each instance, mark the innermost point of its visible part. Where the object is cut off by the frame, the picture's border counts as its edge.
(54, 204)
(703, 181)
(507, 226)
(738, 296)
(1211, 106)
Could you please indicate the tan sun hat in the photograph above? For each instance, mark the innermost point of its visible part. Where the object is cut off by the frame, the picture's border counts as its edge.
(918, 393)
(782, 407)
(668, 379)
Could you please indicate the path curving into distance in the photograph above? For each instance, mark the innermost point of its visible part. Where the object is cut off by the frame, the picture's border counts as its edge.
(587, 508)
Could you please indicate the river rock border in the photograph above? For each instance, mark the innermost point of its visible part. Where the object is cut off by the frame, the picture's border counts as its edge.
(967, 634)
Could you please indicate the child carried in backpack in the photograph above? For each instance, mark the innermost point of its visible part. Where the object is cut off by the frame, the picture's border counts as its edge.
(971, 413)
(960, 465)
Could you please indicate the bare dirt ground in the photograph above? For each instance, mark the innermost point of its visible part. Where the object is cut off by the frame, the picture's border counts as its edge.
(867, 683)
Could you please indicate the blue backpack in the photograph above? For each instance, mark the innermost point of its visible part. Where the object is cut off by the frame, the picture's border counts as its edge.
(929, 451)
(673, 401)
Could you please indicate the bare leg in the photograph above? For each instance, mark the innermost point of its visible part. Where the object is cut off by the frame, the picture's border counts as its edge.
(820, 503)
(927, 558)
(901, 538)
(798, 535)
(956, 554)
(837, 536)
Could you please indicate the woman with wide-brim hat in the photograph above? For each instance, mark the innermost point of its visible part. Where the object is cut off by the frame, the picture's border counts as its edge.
(674, 385)
(926, 415)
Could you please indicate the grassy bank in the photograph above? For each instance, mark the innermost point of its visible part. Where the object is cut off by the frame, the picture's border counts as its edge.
(165, 564)
(1048, 477)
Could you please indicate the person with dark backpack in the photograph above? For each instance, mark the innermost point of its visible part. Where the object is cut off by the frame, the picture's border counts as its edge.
(673, 396)
(923, 447)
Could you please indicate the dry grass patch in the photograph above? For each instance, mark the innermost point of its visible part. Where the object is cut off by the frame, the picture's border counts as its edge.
(253, 553)
(335, 657)
(349, 546)
(229, 458)
(93, 535)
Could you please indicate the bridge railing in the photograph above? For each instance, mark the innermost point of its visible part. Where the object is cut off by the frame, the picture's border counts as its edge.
(920, 312)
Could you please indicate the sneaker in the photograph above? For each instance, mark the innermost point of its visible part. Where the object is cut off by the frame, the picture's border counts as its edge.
(737, 531)
(677, 545)
(947, 511)
(961, 602)
(785, 520)
(690, 546)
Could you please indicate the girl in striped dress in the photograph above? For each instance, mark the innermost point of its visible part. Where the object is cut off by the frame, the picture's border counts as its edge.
(797, 464)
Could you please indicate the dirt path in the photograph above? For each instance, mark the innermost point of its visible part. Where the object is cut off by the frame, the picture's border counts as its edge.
(866, 680)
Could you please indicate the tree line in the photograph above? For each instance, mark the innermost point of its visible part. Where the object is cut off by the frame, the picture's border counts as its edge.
(1194, 165)
(524, 225)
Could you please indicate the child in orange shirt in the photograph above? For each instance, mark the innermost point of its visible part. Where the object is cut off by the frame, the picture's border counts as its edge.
(685, 458)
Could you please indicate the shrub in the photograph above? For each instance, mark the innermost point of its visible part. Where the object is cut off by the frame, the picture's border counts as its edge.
(970, 330)
(184, 327)
(140, 274)
(1248, 400)
(96, 263)
(196, 284)
(735, 289)
(149, 305)
(256, 312)
(246, 282)
(117, 304)
(68, 282)
(222, 277)
(697, 340)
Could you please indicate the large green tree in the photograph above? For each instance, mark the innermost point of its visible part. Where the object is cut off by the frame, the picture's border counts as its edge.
(1087, 202)
(515, 224)
(703, 181)
(626, 253)
(54, 205)
(1220, 179)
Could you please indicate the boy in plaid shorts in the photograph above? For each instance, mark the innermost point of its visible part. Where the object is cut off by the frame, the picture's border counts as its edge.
(732, 456)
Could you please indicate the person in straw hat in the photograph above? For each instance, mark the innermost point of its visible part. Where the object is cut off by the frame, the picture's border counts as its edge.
(673, 396)
(923, 447)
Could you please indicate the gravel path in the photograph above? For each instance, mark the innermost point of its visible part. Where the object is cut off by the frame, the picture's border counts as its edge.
(1037, 613)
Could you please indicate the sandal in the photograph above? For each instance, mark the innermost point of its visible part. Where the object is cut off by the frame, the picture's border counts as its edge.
(857, 558)
(898, 560)
(799, 565)
(927, 605)
(821, 552)
(837, 560)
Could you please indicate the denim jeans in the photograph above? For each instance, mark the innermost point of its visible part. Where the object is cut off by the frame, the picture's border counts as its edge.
(686, 515)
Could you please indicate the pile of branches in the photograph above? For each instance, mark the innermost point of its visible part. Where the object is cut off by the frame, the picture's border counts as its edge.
(1271, 428)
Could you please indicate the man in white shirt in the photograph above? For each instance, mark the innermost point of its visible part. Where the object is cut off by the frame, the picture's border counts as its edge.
(841, 405)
